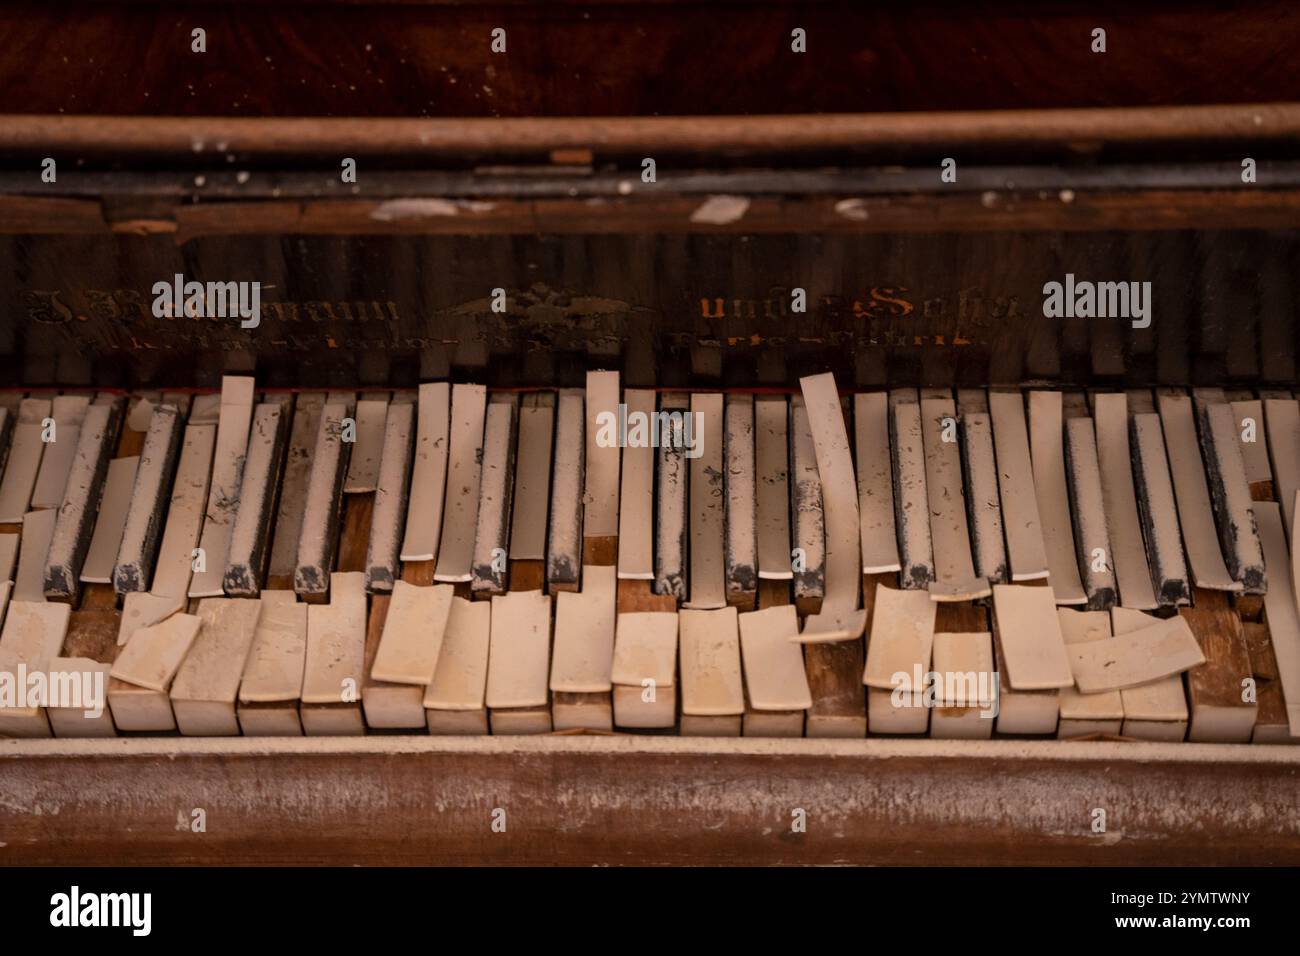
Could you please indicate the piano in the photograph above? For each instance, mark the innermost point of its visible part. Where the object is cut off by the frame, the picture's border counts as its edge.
(651, 441)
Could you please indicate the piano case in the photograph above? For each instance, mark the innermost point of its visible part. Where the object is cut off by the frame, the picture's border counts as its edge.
(914, 180)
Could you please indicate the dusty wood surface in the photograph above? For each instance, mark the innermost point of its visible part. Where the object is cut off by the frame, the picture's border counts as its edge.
(623, 800)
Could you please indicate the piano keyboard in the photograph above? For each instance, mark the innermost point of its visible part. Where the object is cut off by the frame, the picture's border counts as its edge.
(454, 560)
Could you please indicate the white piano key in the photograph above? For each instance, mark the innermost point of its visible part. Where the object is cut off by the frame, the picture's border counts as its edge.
(496, 492)
(429, 477)
(271, 686)
(1200, 536)
(32, 637)
(250, 538)
(708, 505)
(455, 701)
(413, 634)
(842, 616)
(207, 683)
(82, 720)
(1230, 496)
(236, 416)
(84, 486)
(955, 715)
(146, 517)
(1028, 634)
(1127, 550)
(711, 672)
(773, 664)
(902, 635)
(987, 539)
(1282, 417)
(24, 461)
(600, 496)
(636, 494)
(741, 515)
(1156, 711)
(307, 408)
(954, 568)
(875, 483)
(1087, 713)
(533, 478)
(807, 524)
(772, 466)
(154, 654)
(38, 531)
(564, 538)
(334, 669)
(645, 670)
(582, 661)
(1280, 606)
(464, 478)
(1095, 557)
(911, 497)
(391, 496)
(184, 513)
(1248, 422)
(671, 501)
(320, 519)
(519, 660)
(1158, 511)
(68, 411)
(1140, 657)
(110, 522)
(1047, 454)
(143, 609)
(1026, 552)
(363, 463)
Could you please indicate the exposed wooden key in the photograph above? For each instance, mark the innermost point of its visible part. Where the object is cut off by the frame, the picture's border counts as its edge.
(320, 522)
(76, 518)
(496, 493)
(564, 539)
(393, 488)
(741, 552)
(671, 484)
(250, 538)
(234, 422)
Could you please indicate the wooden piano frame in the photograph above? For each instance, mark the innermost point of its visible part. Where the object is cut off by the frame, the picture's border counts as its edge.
(588, 799)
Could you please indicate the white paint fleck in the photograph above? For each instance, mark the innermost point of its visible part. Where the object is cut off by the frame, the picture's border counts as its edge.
(855, 209)
(720, 210)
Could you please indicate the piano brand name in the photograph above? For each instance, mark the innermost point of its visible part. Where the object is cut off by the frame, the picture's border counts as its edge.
(213, 300)
(1098, 300)
(624, 429)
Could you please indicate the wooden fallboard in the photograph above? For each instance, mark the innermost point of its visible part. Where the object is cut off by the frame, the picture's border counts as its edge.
(646, 800)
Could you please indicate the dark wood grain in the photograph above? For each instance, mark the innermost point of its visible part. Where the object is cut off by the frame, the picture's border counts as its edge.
(593, 59)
